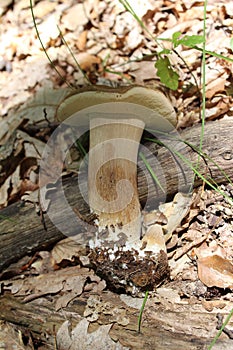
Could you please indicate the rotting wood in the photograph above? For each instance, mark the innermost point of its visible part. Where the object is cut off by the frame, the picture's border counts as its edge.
(23, 233)
(159, 328)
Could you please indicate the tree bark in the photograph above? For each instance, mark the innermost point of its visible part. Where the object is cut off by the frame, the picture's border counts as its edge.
(179, 327)
(21, 229)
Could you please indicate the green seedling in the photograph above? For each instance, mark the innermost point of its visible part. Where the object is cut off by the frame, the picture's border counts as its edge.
(220, 330)
(141, 311)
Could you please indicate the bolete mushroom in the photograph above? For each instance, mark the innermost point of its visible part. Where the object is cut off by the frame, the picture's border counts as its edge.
(117, 117)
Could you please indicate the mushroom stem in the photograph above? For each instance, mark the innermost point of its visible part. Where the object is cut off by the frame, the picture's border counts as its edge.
(116, 119)
(112, 177)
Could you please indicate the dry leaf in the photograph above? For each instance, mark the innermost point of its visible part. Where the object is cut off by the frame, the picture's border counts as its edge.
(154, 239)
(96, 307)
(64, 300)
(75, 16)
(215, 271)
(67, 249)
(80, 339)
(154, 217)
(87, 61)
(4, 4)
(133, 302)
(169, 294)
(71, 279)
(82, 40)
(142, 71)
(11, 338)
(175, 211)
(43, 8)
(216, 86)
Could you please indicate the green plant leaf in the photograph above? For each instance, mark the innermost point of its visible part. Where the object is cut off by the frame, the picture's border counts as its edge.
(166, 73)
(175, 37)
(190, 40)
(164, 52)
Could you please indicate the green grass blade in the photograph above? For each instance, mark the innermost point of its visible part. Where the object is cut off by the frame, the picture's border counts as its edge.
(120, 74)
(203, 79)
(129, 8)
(208, 52)
(151, 171)
(141, 311)
(82, 151)
(211, 53)
(203, 155)
(209, 181)
(193, 147)
(203, 178)
(72, 55)
(44, 49)
(221, 330)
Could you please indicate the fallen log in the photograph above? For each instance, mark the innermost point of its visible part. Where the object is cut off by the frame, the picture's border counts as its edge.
(22, 231)
(180, 327)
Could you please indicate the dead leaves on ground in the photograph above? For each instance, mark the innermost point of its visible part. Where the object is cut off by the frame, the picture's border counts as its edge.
(67, 283)
(189, 289)
(79, 338)
(11, 338)
(215, 271)
(207, 237)
(110, 44)
(107, 42)
(20, 153)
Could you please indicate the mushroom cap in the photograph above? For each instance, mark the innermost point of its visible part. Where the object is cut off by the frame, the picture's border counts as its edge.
(149, 105)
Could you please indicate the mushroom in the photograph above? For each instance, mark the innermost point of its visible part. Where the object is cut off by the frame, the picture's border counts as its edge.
(117, 118)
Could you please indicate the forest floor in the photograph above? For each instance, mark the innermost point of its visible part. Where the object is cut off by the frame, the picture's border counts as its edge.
(53, 300)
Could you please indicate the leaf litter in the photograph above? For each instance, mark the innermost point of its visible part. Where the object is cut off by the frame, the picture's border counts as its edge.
(107, 40)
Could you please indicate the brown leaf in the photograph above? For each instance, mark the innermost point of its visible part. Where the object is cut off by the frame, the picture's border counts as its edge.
(87, 61)
(82, 40)
(67, 249)
(11, 338)
(215, 271)
(43, 8)
(175, 211)
(79, 338)
(71, 279)
(154, 239)
(76, 16)
(216, 86)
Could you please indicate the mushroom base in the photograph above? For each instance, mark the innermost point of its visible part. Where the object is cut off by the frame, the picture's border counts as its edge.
(128, 271)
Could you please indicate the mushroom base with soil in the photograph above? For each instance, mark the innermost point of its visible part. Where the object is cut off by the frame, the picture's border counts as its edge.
(127, 271)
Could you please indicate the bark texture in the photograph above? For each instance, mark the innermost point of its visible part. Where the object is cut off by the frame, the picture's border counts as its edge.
(180, 328)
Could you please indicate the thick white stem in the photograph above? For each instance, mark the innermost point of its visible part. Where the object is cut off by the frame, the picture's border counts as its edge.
(112, 176)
